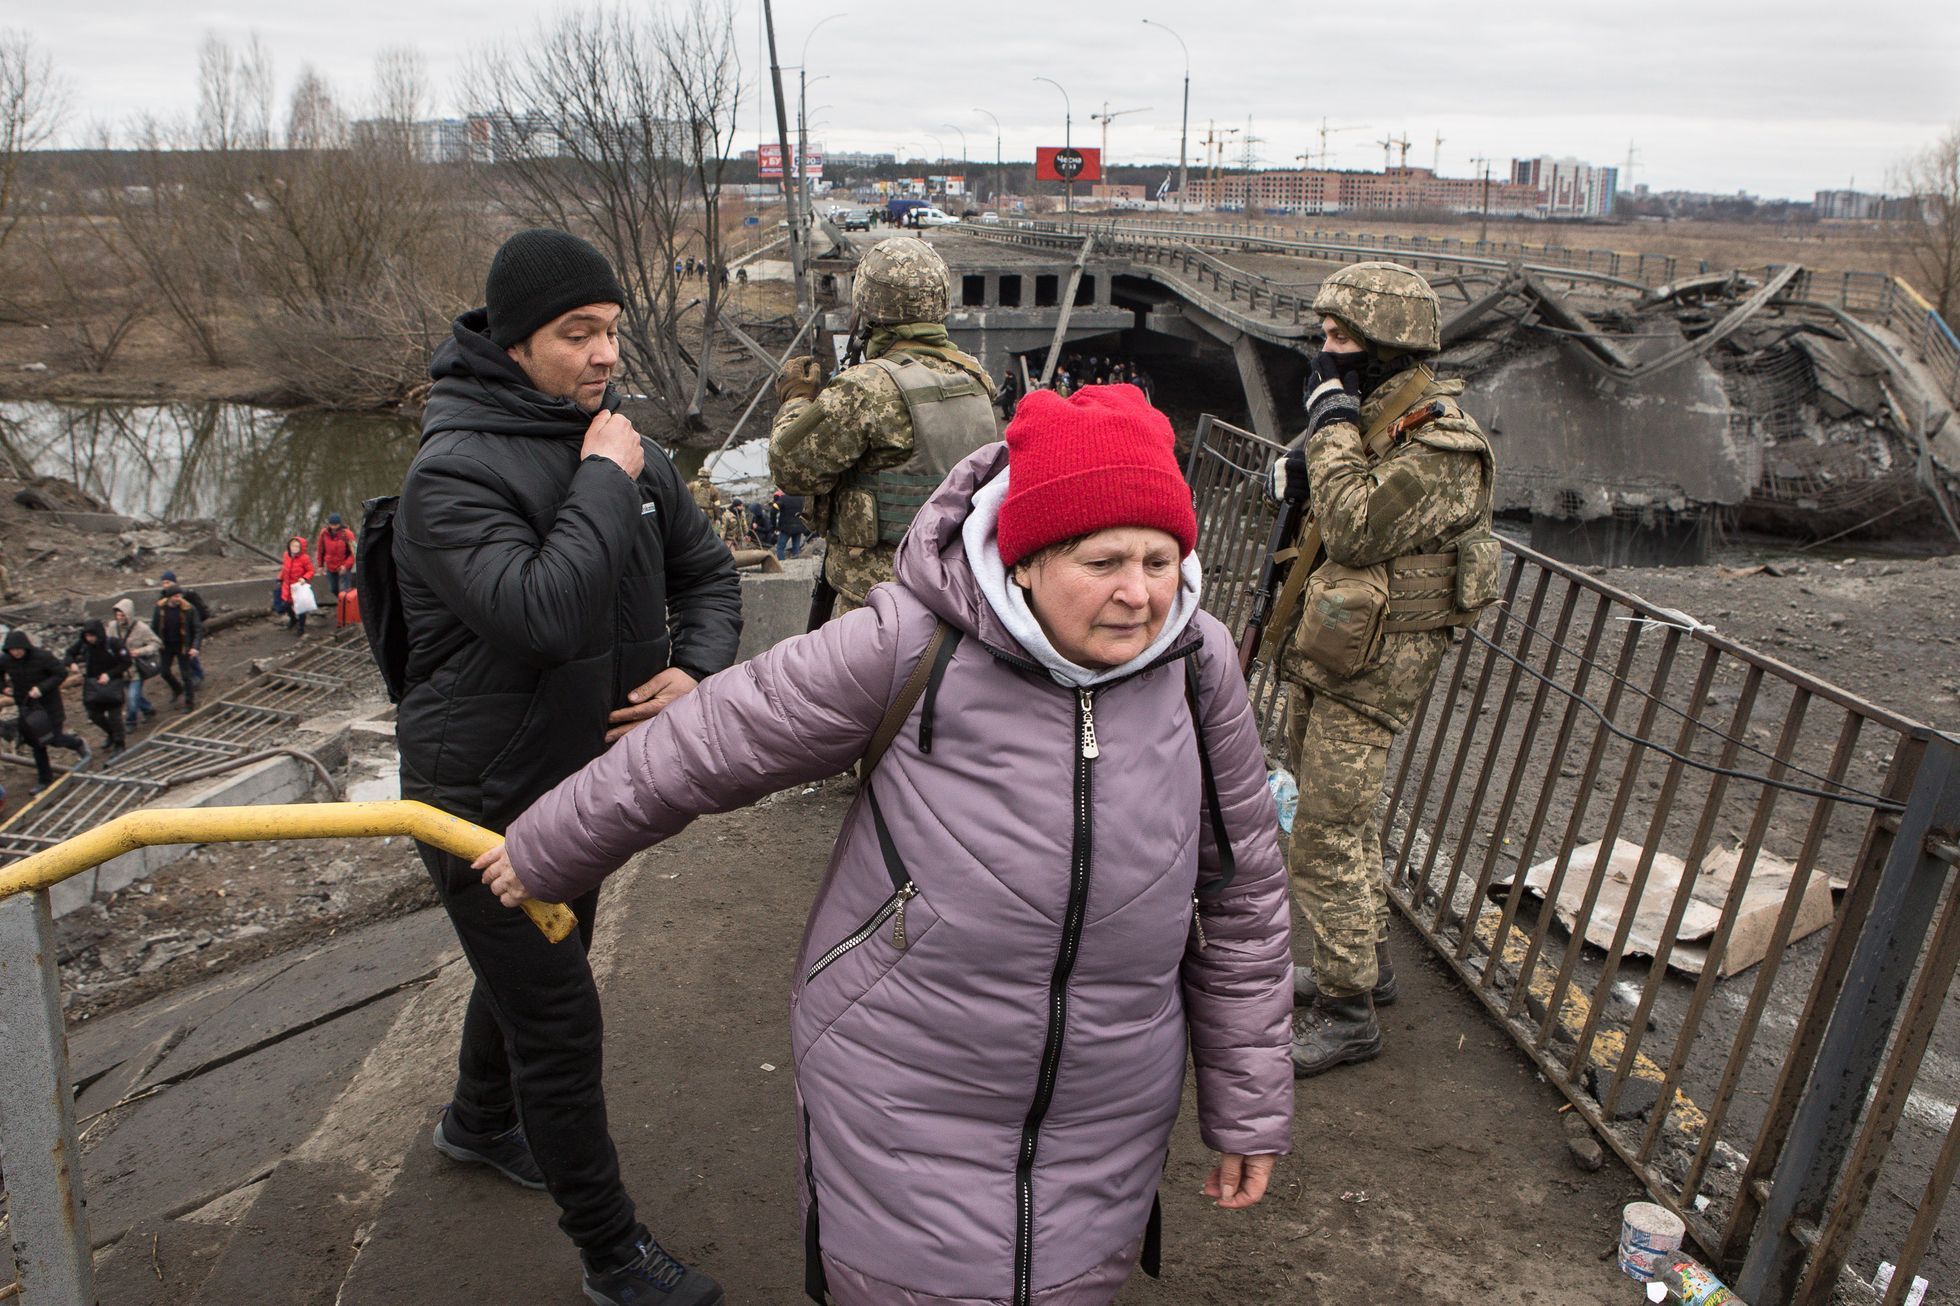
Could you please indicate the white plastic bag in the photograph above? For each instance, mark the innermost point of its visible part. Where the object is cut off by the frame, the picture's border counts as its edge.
(1286, 796)
(303, 600)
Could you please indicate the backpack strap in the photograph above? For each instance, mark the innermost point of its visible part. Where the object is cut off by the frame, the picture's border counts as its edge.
(1228, 865)
(927, 671)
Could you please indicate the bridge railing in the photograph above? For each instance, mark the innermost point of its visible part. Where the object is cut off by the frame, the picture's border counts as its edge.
(1790, 1102)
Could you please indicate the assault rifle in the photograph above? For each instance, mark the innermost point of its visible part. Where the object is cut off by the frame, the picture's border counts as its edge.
(823, 596)
(1281, 558)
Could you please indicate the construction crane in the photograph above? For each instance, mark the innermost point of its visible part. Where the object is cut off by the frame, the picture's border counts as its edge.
(1104, 118)
(1402, 145)
(1326, 131)
(1436, 159)
(1214, 145)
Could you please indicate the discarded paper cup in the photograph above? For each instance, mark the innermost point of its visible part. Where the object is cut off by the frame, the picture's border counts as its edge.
(1649, 1234)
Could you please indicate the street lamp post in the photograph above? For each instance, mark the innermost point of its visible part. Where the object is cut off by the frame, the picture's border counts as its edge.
(1184, 131)
(802, 131)
(1068, 142)
(964, 165)
(997, 173)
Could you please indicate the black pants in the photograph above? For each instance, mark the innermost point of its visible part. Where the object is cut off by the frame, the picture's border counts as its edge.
(107, 715)
(57, 738)
(532, 1039)
(175, 657)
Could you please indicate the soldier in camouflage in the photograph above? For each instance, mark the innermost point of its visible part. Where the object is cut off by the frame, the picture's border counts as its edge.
(850, 444)
(1404, 518)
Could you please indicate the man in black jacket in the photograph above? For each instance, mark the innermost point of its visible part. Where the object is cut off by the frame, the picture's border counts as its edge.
(559, 586)
(179, 625)
(34, 676)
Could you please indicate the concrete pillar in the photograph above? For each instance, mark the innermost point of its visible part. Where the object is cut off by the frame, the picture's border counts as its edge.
(1258, 390)
(37, 1114)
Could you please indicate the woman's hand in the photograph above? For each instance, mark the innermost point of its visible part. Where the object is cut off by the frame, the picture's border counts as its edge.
(501, 876)
(1239, 1181)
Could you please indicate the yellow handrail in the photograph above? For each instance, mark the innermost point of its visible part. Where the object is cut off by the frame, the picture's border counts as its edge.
(143, 829)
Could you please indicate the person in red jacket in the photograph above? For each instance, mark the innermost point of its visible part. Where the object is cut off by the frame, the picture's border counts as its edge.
(334, 551)
(293, 568)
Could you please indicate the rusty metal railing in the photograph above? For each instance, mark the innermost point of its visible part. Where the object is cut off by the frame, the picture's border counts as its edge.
(1784, 1081)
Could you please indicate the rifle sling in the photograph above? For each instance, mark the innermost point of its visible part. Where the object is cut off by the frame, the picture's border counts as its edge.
(1305, 555)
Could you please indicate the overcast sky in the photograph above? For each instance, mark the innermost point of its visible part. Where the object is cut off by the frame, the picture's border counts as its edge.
(1779, 99)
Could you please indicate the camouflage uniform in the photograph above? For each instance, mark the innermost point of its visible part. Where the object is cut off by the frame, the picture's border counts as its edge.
(1431, 490)
(859, 422)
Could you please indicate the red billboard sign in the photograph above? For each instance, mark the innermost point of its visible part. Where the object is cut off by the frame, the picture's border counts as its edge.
(1067, 163)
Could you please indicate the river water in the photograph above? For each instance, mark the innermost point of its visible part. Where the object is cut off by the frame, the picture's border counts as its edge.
(263, 474)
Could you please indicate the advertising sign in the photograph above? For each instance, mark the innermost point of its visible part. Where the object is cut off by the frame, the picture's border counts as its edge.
(769, 162)
(1067, 163)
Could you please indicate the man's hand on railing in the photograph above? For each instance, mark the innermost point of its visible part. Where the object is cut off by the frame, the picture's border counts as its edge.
(501, 876)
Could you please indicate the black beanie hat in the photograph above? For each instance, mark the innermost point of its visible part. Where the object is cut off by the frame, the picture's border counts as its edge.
(538, 275)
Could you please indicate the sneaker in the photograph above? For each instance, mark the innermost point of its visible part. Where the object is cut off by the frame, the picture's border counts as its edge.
(651, 1278)
(507, 1153)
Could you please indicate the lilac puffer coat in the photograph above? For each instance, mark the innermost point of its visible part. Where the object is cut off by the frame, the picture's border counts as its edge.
(1001, 968)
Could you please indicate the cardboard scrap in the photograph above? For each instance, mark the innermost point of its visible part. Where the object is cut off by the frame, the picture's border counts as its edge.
(1748, 943)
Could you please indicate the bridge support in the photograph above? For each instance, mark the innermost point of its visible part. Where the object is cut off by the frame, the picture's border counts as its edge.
(1258, 388)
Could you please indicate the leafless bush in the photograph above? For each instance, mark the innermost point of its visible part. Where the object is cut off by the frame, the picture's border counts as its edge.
(616, 125)
(89, 297)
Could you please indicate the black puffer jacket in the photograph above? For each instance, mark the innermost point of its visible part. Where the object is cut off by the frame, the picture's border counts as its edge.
(36, 669)
(107, 656)
(538, 588)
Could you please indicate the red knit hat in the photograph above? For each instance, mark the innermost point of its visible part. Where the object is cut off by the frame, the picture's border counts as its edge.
(1102, 457)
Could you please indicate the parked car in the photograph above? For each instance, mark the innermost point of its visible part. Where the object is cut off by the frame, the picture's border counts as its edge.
(990, 219)
(855, 220)
(930, 217)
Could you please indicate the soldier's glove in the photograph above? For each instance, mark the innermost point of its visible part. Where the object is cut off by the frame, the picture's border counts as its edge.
(1333, 388)
(1286, 479)
(800, 378)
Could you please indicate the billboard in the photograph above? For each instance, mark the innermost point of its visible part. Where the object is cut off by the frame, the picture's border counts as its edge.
(1067, 163)
(769, 162)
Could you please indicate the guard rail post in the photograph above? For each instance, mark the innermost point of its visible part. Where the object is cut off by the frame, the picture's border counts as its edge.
(1887, 947)
(37, 1113)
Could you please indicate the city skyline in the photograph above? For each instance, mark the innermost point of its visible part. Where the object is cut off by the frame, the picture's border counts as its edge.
(1756, 97)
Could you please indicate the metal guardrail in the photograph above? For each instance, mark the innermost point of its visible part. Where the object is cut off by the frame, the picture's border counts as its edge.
(47, 1216)
(1769, 1108)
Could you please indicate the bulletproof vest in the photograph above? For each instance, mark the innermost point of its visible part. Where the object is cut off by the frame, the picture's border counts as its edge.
(951, 417)
(1453, 587)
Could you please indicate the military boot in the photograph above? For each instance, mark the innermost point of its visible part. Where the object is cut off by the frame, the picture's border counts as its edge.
(1334, 1032)
(1306, 992)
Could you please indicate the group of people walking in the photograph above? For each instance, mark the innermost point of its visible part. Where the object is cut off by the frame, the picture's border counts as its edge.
(1062, 873)
(332, 561)
(111, 660)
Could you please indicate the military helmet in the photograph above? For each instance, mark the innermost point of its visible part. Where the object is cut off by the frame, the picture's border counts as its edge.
(1388, 304)
(903, 279)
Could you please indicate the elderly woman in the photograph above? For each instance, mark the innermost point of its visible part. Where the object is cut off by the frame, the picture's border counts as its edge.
(1063, 873)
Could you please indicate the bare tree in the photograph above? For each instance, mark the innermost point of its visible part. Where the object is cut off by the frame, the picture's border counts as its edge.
(177, 229)
(31, 102)
(314, 120)
(1928, 232)
(599, 132)
(234, 95)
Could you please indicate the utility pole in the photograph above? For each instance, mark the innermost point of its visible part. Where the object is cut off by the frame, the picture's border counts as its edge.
(1184, 131)
(1483, 228)
(1246, 173)
(797, 257)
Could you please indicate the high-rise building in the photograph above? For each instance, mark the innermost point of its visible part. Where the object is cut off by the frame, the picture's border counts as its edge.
(1568, 187)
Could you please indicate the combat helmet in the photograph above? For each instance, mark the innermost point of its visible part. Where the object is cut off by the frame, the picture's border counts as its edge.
(1387, 303)
(903, 279)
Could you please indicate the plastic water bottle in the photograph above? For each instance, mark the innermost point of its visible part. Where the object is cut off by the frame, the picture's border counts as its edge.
(1687, 1281)
(1286, 796)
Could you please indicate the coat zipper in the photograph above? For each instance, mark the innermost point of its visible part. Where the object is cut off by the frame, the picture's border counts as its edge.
(1087, 750)
(893, 910)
